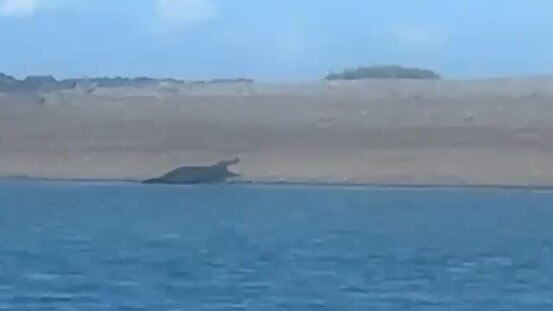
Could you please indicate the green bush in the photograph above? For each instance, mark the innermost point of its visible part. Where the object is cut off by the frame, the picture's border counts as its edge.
(384, 72)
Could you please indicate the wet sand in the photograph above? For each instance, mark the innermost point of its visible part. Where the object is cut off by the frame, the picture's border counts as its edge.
(478, 132)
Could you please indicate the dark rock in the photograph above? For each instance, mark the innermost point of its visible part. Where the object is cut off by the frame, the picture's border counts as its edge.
(217, 173)
(4, 78)
(232, 80)
(7, 82)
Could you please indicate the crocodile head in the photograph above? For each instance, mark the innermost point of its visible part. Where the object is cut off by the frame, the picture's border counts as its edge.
(228, 163)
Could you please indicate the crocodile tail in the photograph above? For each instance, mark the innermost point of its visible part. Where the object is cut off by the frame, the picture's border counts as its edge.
(151, 181)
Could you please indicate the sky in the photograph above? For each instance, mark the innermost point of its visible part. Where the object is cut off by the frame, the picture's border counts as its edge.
(273, 40)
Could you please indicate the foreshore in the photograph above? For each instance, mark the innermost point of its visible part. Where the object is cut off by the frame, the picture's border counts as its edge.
(284, 184)
(374, 132)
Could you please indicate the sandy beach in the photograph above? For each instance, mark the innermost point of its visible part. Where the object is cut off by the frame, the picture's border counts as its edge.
(474, 132)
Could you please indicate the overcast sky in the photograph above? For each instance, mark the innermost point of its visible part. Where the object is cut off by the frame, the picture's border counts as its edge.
(273, 39)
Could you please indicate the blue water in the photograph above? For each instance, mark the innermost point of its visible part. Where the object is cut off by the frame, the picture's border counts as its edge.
(94, 246)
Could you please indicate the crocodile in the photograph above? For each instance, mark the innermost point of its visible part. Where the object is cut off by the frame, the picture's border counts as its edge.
(216, 173)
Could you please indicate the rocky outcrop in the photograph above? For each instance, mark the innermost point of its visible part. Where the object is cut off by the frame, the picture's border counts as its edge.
(107, 82)
(216, 173)
(33, 84)
(38, 84)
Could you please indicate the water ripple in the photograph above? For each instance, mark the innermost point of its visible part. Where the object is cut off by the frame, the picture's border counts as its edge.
(219, 248)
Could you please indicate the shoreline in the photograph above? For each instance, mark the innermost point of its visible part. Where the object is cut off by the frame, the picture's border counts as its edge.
(392, 186)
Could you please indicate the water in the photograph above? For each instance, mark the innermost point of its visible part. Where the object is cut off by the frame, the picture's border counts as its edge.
(79, 246)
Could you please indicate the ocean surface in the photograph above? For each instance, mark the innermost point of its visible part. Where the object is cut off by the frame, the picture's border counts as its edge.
(109, 246)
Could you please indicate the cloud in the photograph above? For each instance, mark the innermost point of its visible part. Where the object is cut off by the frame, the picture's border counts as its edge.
(177, 15)
(419, 36)
(19, 8)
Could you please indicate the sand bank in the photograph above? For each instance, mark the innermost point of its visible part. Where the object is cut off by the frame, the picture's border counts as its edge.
(476, 132)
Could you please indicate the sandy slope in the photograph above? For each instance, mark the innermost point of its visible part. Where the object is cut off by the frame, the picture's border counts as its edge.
(409, 132)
